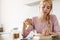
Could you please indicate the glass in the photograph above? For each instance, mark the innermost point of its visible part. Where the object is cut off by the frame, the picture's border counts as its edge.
(15, 33)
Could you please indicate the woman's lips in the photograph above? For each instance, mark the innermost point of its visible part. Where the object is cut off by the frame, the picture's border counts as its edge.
(45, 12)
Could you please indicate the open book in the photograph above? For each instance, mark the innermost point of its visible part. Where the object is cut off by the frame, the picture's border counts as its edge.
(43, 37)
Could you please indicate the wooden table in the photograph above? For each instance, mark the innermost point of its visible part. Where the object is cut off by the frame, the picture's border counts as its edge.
(50, 37)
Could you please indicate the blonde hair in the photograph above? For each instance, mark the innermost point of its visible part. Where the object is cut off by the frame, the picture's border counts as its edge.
(49, 1)
(48, 15)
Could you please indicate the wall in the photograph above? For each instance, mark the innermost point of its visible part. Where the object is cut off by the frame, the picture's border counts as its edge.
(0, 13)
(56, 8)
(13, 13)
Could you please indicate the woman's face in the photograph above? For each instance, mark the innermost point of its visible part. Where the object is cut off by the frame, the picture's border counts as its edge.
(45, 8)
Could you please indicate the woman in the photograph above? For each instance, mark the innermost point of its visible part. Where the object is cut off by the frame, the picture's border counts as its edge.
(45, 24)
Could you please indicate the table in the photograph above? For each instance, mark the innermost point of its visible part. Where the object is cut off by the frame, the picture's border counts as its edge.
(50, 37)
(4, 35)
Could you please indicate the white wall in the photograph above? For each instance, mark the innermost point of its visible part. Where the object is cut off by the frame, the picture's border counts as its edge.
(0, 13)
(14, 12)
(56, 9)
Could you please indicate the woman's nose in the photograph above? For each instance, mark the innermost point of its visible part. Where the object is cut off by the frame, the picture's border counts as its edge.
(45, 9)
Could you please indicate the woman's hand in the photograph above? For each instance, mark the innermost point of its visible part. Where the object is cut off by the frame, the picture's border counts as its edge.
(54, 33)
(25, 23)
(28, 21)
(46, 31)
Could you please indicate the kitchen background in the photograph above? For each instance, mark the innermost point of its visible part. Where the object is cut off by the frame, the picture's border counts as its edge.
(14, 12)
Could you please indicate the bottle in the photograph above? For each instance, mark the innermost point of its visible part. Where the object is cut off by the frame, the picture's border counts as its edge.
(1, 28)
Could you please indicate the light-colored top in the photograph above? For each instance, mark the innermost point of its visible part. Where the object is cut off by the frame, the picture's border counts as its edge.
(39, 26)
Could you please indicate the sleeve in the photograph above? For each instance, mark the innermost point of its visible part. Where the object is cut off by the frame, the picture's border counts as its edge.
(28, 29)
(56, 25)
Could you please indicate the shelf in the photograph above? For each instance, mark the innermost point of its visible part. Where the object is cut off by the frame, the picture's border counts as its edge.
(33, 3)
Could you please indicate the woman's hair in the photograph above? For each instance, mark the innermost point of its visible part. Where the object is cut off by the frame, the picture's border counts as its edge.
(48, 15)
(49, 1)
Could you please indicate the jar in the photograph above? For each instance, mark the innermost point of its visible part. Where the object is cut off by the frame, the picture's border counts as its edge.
(15, 34)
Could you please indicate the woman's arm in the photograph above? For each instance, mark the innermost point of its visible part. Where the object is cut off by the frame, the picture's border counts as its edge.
(56, 26)
(27, 27)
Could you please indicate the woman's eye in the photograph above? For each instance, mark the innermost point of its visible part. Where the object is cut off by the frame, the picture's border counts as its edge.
(48, 7)
(43, 7)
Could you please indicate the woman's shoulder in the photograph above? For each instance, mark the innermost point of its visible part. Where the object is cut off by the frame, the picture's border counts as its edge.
(35, 17)
(53, 16)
